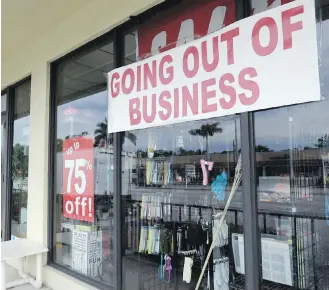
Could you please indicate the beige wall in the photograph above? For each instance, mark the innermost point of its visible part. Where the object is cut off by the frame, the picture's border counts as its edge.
(86, 24)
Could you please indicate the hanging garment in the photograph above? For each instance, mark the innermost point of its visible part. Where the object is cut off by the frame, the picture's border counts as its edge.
(167, 268)
(179, 239)
(204, 170)
(196, 236)
(168, 172)
(155, 173)
(160, 274)
(160, 173)
(140, 248)
(221, 276)
(143, 239)
(164, 243)
(187, 270)
(220, 234)
(149, 241)
(219, 185)
(148, 172)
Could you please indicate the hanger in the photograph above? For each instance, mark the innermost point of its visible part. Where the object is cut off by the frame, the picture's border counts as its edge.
(220, 260)
(188, 253)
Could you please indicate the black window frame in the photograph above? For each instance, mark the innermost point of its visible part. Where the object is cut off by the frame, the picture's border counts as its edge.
(9, 116)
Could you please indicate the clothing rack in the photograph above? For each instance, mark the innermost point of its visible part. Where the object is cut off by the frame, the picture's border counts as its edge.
(187, 253)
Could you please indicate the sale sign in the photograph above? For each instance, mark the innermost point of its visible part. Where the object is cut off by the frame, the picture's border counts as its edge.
(257, 63)
(178, 27)
(262, 5)
(78, 179)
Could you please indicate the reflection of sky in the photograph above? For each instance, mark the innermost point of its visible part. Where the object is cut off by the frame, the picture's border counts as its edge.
(172, 137)
(309, 121)
(22, 131)
(90, 111)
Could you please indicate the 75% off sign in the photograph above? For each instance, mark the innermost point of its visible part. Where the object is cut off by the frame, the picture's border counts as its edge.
(78, 179)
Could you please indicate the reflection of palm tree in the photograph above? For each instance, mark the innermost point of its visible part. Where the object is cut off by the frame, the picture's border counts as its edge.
(101, 135)
(323, 142)
(205, 131)
(20, 161)
(59, 145)
(262, 148)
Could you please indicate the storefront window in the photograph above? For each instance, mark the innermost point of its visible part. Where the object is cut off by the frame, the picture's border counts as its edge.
(292, 154)
(176, 178)
(20, 160)
(83, 172)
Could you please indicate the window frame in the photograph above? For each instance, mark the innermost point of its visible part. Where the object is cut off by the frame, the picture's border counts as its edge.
(9, 119)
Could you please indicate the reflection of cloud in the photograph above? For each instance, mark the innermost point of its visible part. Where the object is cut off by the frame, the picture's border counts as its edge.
(21, 126)
(309, 122)
(90, 111)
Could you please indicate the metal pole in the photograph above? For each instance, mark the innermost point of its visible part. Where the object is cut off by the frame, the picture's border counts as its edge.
(117, 188)
(252, 239)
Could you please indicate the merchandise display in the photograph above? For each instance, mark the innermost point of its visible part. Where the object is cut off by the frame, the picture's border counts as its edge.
(187, 272)
(222, 215)
(276, 258)
(157, 172)
(210, 165)
(169, 240)
(171, 212)
(221, 275)
(87, 251)
(219, 185)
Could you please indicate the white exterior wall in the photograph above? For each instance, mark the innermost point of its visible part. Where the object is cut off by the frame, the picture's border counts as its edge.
(91, 21)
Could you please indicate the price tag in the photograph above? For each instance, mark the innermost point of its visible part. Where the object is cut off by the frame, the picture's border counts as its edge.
(78, 179)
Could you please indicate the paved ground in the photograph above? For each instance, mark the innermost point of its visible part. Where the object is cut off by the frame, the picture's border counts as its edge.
(11, 274)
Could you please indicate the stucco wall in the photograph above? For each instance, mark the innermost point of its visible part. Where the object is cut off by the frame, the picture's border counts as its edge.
(86, 24)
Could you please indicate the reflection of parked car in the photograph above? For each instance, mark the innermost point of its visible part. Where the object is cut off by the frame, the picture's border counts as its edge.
(274, 188)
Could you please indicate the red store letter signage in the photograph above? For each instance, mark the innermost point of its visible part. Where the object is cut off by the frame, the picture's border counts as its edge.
(181, 26)
(78, 179)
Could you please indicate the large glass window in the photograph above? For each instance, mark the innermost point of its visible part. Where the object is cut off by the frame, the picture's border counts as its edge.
(83, 173)
(20, 160)
(175, 179)
(292, 155)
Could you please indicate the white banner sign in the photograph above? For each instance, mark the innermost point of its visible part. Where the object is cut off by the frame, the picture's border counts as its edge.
(264, 61)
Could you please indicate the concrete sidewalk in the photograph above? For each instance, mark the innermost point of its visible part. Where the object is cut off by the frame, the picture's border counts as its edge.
(11, 274)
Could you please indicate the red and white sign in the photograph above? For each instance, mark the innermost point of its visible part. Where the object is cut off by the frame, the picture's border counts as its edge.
(259, 62)
(78, 179)
(178, 27)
